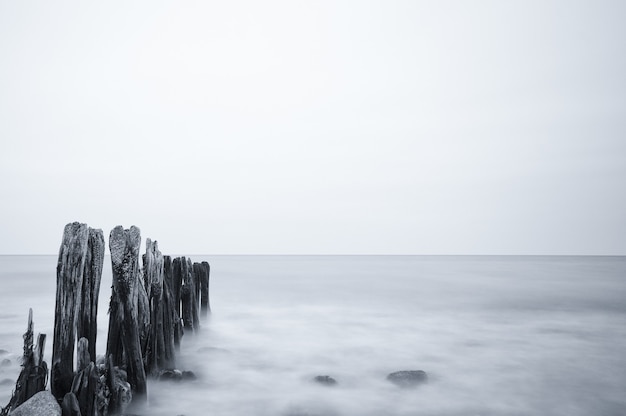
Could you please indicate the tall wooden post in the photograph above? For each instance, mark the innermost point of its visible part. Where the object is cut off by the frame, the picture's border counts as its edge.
(204, 289)
(177, 282)
(188, 295)
(70, 269)
(173, 330)
(153, 274)
(201, 281)
(124, 246)
(87, 326)
(195, 295)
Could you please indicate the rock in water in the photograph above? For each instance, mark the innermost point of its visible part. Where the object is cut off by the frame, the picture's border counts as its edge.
(325, 380)
(171, 375)
(410, 378)
(177, 375)
(41, 404)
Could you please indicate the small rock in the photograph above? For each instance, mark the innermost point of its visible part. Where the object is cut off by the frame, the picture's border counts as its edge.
(41, 404)
(189, 375)
(325, 380)
(3, 352)
(171, 375)
(6, 382)
(5, 363)
(410, 378)
(177, 375)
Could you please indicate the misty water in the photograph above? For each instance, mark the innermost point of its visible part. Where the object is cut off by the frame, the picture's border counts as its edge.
(496, 335)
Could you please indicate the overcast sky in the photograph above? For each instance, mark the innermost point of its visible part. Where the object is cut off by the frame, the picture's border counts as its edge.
(339, 127)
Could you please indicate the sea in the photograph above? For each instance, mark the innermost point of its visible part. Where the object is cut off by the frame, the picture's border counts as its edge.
(496, 335)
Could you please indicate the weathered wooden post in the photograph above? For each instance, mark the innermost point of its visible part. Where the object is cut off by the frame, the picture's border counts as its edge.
(33, 377)
(201, 280)
(195, 295)
(173, 329)
(197, 276)
(123, 324)
(88, 307)
(143, 316)
(153, 274)
(204, 289)
(188, 294)
(70, 269)
(177, 282)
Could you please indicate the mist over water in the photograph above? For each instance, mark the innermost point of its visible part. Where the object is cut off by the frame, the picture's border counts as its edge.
(496, 335)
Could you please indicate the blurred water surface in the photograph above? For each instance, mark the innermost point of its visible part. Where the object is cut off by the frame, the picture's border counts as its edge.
(499, 335)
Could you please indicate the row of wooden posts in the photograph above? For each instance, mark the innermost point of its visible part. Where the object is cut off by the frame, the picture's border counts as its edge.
(150, 309)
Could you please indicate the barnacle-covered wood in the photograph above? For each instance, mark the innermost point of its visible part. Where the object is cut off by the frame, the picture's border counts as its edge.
(124, 246)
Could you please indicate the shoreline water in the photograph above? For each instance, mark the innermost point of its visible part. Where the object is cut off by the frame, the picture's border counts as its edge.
(494, 334)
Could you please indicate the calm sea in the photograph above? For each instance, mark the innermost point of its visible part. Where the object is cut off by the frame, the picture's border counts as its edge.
(496, 335)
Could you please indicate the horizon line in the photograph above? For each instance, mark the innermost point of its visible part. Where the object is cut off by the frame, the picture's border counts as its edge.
(354, 255)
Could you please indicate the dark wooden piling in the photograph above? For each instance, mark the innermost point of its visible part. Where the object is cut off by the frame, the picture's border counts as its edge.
(205, 305)
(195, 298)
(143, 317)
(87, 325)
(173, 328)
(70, 269)
(188, 295)
(196, 271)
(124, 246)
(153, 275)
(177, 282)
(201, 281)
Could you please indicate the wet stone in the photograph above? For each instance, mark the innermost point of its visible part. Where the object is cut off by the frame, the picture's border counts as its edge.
(41, 404)
(411, 378)
(177, 375)
(325, 380)
(189, 375)
(171, 375)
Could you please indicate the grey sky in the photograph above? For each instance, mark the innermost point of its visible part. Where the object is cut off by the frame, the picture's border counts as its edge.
(385, 127)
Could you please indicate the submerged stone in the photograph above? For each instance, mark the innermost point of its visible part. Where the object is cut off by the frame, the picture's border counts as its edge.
(171, 375)
(325, 380)
(177, 375)
(410, 378)
(189, 375)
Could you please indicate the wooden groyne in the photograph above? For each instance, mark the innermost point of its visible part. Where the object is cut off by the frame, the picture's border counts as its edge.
(151, 308)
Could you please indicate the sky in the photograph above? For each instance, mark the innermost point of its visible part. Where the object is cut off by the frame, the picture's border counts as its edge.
(319, 127)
